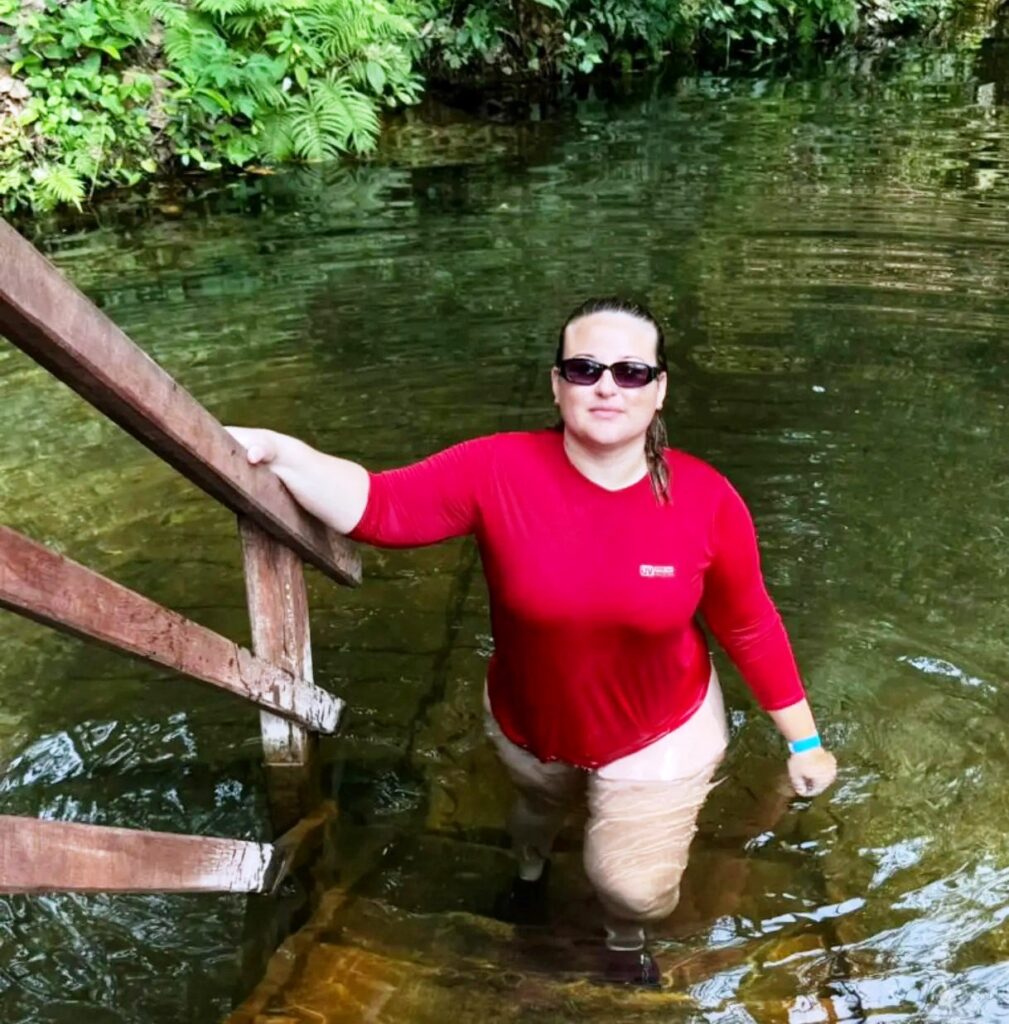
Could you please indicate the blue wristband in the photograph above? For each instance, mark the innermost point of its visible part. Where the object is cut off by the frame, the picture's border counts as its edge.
(809, 743)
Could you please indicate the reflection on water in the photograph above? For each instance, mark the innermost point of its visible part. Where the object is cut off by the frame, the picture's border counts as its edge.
(833, 253)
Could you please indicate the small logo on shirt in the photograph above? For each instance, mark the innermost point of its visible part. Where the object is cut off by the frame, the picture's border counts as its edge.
(657, 571)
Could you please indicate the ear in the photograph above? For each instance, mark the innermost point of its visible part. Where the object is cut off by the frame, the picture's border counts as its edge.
(555, 384)
(660, 396)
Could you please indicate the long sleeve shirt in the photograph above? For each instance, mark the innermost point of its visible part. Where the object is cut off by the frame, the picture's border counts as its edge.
(594, 593)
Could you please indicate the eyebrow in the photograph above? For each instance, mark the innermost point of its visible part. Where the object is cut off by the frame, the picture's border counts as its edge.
(621, 359)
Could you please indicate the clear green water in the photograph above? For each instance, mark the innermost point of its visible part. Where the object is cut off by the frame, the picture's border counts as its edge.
(833, 256)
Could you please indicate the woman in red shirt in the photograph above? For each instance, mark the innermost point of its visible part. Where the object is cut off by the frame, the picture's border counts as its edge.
(601, 546)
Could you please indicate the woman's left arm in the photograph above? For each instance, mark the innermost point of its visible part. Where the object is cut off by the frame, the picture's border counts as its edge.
(813, 770)
(745, 622)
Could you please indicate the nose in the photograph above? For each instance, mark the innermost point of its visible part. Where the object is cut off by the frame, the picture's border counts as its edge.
(606, 385)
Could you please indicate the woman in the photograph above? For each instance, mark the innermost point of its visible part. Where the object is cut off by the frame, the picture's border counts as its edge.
(600, 546)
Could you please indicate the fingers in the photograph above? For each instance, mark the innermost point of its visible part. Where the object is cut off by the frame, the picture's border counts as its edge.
(810, 787)
(812, 773)
(806, 785)
(257, 449)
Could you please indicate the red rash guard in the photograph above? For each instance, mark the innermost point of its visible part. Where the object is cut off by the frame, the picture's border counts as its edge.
(593, 592)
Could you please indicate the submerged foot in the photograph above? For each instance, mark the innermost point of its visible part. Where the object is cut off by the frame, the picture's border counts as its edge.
(525, 902)
(631, 967)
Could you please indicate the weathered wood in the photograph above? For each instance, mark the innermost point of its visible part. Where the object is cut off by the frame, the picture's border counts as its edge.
(301, 843)
(59, 327)
(278, 611)
(56, 856)
(57, 592)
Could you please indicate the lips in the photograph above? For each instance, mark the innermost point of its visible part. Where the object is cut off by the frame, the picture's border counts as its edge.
(606, 413)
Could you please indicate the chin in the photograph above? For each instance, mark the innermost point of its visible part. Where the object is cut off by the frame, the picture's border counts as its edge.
(607, 434)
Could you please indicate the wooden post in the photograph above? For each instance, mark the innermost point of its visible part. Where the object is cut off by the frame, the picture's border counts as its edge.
(278, 609)
(59, 856)
(308, 855)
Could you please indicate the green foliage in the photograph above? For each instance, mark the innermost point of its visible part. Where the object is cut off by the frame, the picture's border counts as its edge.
(120, 89)
(327, 118)
(758, 25)
(281, 80)
(82, 119)
(565, 38)
(550, 37)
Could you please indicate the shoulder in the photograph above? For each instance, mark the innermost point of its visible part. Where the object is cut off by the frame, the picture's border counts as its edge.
(517, 446)
(487, 446)
(707, 490)
(690, 470)
(499, 455)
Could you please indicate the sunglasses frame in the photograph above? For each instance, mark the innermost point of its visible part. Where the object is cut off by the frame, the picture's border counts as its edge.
(562, 366)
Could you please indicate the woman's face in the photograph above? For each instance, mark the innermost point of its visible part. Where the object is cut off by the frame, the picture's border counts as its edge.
(603, 414)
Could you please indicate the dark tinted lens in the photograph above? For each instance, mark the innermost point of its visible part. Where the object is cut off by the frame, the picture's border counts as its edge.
(632, 375)
(581, 371)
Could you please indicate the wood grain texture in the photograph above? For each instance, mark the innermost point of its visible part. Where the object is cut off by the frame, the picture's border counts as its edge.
(51, 589)
(56, 856)
(278, 610)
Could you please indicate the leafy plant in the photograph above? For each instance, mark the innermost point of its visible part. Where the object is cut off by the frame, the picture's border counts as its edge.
(280, 79)
(566, 38)
(120, 89)
(549, 37)
(759, 25)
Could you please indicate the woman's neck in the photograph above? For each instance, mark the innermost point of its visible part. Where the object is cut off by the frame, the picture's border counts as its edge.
(611, 467)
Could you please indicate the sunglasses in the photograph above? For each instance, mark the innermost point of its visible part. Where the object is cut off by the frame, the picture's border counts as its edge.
(626, 374)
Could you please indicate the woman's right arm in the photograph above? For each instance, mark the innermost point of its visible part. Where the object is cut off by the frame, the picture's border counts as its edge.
(331, 489)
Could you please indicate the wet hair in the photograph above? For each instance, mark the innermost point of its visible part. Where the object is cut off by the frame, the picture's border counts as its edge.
(656, 439)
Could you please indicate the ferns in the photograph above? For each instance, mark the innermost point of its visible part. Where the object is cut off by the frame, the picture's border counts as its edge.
(169, 13)
(335, 31)
(132, 22)
(330, 117)
(194, 47)
(263, 80)
(244, 25)
(275, 140)
(221, 8)
(296, 79)
(57, 183)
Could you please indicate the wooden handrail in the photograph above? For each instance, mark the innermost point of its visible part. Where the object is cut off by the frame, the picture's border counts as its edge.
(47, 317)
(57, 592)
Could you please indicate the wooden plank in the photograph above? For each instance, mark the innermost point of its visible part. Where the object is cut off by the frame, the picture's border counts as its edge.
(59, 327)
(56, 856)
(57, 592)
(278, 610)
